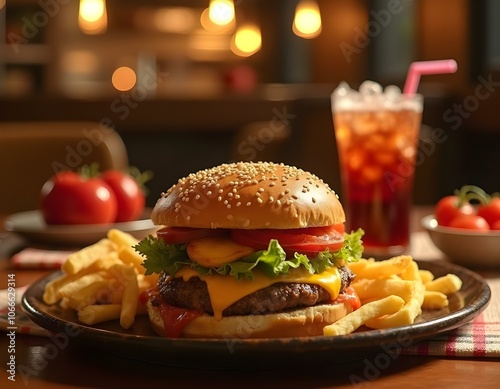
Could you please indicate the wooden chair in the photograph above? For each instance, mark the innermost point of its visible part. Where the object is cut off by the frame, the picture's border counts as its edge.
(31, 152)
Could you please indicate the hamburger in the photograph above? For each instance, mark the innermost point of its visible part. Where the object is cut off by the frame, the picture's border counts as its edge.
(249, 250)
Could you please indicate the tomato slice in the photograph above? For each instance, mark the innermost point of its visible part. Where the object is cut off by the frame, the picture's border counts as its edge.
(173, 235)
(307, 241)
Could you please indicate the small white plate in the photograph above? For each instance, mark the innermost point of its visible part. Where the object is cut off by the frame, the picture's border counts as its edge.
(468, 248)
(31, 225)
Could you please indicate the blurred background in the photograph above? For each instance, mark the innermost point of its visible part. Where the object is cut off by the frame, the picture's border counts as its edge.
(190, 84)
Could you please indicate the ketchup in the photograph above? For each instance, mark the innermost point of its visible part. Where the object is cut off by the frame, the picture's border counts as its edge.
(350, 296)
(175, 319)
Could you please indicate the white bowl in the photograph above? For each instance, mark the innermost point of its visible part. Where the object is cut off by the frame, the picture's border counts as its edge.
(469, 248)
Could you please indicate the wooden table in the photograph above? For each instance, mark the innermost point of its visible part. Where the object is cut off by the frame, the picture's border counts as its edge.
(40, 364)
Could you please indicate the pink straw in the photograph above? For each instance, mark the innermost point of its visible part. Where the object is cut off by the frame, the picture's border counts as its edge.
(426, 67)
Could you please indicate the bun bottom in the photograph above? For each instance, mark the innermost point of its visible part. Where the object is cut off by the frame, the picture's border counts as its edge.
(307, 321)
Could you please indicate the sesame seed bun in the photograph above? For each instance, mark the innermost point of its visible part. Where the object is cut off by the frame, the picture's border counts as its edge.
(249, 195)
(308, 321)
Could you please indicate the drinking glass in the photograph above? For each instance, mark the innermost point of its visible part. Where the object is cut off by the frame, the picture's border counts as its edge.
(377, 135)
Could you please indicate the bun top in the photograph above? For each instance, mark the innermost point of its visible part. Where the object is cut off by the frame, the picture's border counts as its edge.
(249, 195)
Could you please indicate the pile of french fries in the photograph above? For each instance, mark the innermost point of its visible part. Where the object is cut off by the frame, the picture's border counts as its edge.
(103, 281)
(393, 293)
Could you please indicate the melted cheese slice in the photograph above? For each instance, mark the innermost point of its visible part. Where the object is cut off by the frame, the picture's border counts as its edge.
(226, 290)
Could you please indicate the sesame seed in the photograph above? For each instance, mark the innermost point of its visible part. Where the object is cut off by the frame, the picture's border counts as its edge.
(238, 203)
(228, 206)
(246, 223)
(219, 198)
(259, 200)
(188, 218)
(197, 197)
(209, 193)
(229, 217)
(271, 199)
(278, 202)
(272, 184)
(249, 203)
(314, 200)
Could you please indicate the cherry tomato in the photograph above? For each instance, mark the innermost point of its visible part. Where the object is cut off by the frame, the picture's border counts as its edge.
(173, 235)
(490, 211)
(448, 208)
(307, 241)
(129, 195)
(69, 198)
(470, 222)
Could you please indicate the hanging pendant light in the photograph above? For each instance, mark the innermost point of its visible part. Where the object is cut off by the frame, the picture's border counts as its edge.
(93, 16)
(221, 12)
(307, 21)
(247, 40)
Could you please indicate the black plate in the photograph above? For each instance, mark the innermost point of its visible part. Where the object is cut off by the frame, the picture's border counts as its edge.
(140, 342)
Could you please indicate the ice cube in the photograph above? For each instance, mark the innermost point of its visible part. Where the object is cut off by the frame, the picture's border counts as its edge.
(370, 88)
(392, 93)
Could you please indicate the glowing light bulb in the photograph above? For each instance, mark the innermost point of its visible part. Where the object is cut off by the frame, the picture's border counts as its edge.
(221, 12)
(307, 21)
(92, 16)
(247, 40)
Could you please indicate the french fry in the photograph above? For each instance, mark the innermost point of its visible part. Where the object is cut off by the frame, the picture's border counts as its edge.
(405, 316)
(87, 256)
(434, 300)
(447, 284)
(411, 273)
(426, 276)
(93, 314)
(73, 287)
(88, 295)
(383, 287)
(381, 269)
(131, 257)
(121, 238)
(370, 311)
(130, 298)
(108, 291)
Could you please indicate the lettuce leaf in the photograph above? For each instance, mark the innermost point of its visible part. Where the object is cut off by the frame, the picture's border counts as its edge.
(169, 258)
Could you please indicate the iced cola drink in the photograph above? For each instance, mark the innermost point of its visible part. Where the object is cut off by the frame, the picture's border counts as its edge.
(377, 136)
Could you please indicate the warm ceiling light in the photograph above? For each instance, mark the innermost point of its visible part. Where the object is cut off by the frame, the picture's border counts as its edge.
(92, 16)
(221, 12)
(210, 26)
(247, 40)
(307, 21)
(123, 78)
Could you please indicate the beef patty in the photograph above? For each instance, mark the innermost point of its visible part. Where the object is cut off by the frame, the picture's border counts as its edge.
(281, 296)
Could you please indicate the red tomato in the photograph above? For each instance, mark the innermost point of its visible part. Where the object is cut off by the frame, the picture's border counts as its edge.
(496, 225)
(129, 195)
(173, 235)
(491, 211)
(470, 222)
(447, 209)
(68, 198)
(307, 241)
